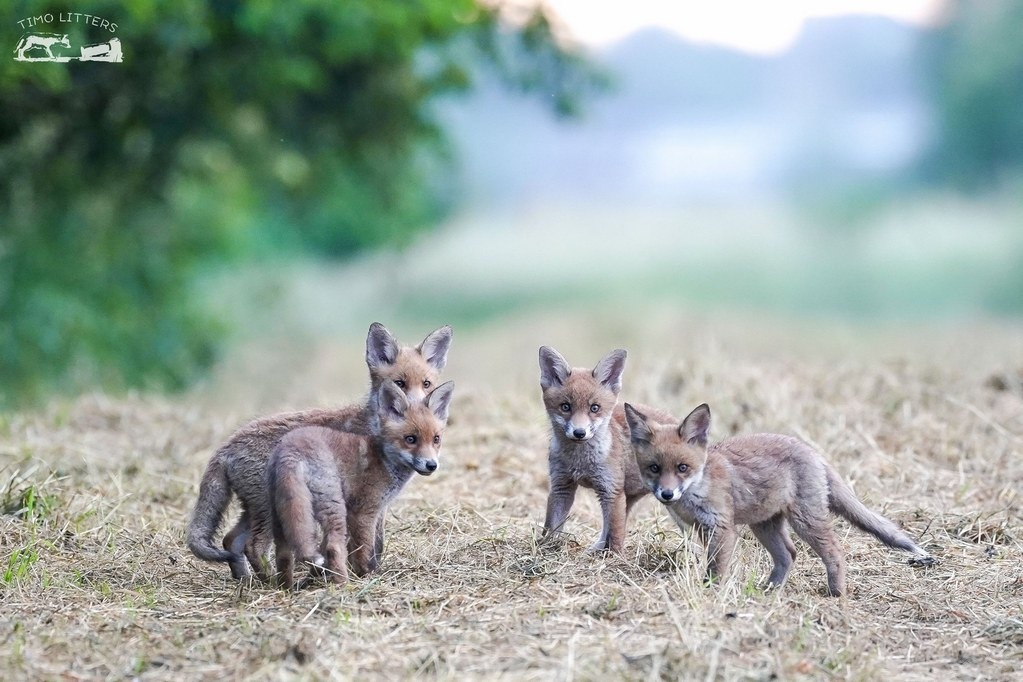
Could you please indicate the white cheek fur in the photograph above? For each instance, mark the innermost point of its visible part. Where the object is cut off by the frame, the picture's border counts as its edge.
(691, 481)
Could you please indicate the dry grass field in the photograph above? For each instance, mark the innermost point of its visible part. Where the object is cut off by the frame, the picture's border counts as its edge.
(927, 424)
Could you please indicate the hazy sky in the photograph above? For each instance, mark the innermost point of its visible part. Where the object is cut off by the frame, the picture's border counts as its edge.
(761, 26)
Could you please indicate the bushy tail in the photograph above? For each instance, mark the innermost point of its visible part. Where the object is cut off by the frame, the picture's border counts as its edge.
(214, 496)
(843, 502)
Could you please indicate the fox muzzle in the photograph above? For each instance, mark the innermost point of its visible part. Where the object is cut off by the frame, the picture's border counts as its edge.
(667, 495)
(424, 467)
(573, 432)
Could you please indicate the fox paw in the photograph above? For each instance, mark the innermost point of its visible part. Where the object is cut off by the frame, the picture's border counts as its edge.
(923, 560)
(315, 564)
(240, 569)
(554, 540)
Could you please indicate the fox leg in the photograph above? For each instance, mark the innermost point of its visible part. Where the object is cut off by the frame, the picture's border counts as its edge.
(361, 542)
(285, 566)
(788, 540)
(234, 542)
(334, 547)
(816, 530)
(559, 503)
(259, 537)
(378, 544)
(773, 534)
(293, 524)
(615, 511)
(720, 541)
(285, 576)
(632, 500)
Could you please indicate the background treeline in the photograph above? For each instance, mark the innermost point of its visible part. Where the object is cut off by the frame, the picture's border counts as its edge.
(238, 131)
(232, 130)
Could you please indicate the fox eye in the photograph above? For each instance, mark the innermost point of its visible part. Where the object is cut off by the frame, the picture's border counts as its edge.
(427, 384)
(682, 468)
(654, 468)
(400, 383)
(566, 407)
(436, 440)
(411, 440)
(594, 408)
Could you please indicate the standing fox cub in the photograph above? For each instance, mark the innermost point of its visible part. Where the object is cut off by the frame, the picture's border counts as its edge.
(590, 443)
(239, 465)
(340, 484)
(765, 480)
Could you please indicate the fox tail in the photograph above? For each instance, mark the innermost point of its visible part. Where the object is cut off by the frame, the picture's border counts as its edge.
(843, 502)
(214, 496)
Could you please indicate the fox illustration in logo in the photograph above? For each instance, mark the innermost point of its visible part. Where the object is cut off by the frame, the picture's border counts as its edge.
(40, 41)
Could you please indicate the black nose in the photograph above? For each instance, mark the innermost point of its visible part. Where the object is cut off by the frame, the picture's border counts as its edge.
(431, 465)
(579, 433)
(666, 494)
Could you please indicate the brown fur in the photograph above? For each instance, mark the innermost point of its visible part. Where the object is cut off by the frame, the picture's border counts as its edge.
(767, 481)
(323, 481)
(238, 467)
(589, 445)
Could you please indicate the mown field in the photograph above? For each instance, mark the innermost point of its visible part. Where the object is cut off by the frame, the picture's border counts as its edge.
(927, 424)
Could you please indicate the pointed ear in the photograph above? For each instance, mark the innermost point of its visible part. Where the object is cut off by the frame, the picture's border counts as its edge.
(695, 427)
(381, 346)
(639, 430)
(434, 347)
(393, 401)
(554, 370)
(609, 370)
(439, 400)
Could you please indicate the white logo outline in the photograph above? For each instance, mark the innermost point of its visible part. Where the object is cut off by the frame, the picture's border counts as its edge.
(38, 45)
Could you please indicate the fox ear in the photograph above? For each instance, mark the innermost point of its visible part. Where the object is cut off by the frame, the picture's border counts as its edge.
(393, 401)
(694, 428)
(639, 430)
(439, 400)
(554, 369)
(434, 347)
(381, 346)
(609, 370)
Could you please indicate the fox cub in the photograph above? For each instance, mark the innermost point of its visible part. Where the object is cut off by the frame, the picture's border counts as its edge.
(238, 467)
(589, 444)
(767, 481)
(337, 486)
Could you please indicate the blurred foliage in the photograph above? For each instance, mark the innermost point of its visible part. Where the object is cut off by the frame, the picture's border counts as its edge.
(977, 68)
(230, 129)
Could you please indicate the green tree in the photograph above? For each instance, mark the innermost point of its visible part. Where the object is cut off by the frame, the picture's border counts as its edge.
(977, 67)
(228, 124)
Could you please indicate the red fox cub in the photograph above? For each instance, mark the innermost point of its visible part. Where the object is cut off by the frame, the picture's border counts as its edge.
(767, 481)
(589, 444)
(337, 486)
(239, 465)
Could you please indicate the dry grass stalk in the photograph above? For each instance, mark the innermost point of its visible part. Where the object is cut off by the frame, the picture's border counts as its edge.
(97, 582)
